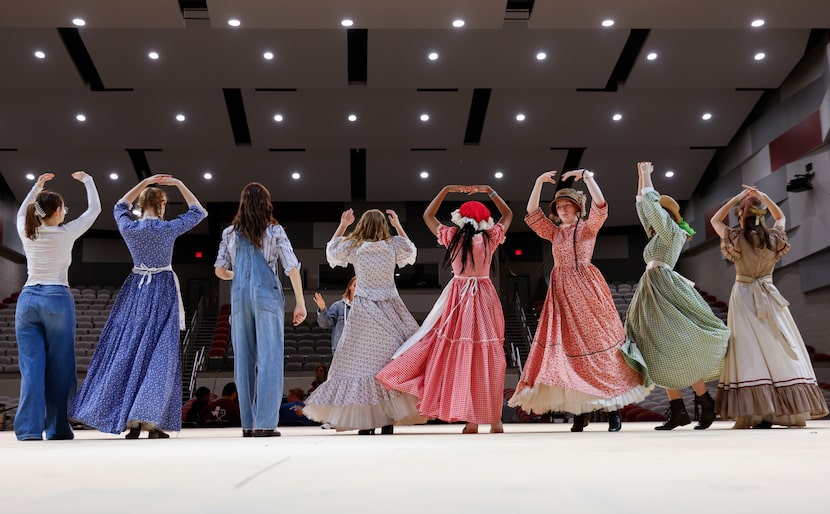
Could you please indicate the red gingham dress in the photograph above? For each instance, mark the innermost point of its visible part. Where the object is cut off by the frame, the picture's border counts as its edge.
(457, 369)
(575, 364)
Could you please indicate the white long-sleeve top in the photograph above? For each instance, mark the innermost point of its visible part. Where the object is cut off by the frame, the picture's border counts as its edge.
(48, 257)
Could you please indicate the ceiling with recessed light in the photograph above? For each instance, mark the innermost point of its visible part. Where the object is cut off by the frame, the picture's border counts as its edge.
(451, 90)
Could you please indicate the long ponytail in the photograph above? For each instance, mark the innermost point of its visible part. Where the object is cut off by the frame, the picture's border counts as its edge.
(45, 205)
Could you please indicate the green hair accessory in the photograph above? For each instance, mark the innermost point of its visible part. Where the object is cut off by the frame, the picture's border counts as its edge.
(685, 226)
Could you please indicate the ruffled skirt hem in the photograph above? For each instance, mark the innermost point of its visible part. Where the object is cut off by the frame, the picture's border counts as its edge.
(542, 398)
(789, 406)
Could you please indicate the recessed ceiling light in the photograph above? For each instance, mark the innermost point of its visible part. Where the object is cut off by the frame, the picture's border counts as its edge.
(616, 117)
(757, 23)
(114, 176)
(498, 174)
(352, 117)
(541, 56)
(136, 211)
(760, 56)
(608, 23)
(425, 117)
(80, 117)
(30, 176)
(180, 117)
(706, 116)
(346, 22)
(295, 175)
(278, 118)
(153, 55)
(433, 56)
(458, 23)
(233, 22)
(652, 56)
(40, 54)
(424, 174)
(669, 174)
(520, 117)
(207, 175)
(268, 56)
(79, 22)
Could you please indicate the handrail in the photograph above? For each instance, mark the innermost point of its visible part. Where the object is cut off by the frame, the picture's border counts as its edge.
(197, 365)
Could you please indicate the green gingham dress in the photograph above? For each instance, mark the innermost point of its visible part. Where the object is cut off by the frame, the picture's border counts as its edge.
(676, 340)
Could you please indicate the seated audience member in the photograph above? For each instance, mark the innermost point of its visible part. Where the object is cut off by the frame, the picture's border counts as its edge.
(193, 408)
(291, 412)
(320, 376)
(223, 412)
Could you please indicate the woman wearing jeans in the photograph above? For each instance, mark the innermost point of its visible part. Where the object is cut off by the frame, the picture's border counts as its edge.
(45, 317)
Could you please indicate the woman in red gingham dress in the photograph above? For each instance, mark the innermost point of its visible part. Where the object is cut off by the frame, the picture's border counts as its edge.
(575, 364)
(455, 362)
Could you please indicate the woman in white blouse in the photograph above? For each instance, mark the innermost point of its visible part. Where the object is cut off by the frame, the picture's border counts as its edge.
(45, 317)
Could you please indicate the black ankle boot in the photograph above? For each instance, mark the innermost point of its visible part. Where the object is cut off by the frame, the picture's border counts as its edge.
(387, 430)
(614, 421)
(580, 421)
(707, 411)
(676, 416)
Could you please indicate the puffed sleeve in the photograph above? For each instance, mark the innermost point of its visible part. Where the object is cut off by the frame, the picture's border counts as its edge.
(541, 224)
(340, 252)
(782, 245)
(445, 234)
(596, 217)
(405, 251)
(123, 216)
(730, 245)
(497, 233)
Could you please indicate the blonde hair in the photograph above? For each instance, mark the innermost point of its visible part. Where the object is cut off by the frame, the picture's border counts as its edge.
(152, 200)
(372, 226)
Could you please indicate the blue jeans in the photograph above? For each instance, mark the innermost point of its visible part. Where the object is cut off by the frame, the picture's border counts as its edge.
(257, 319)
(45, 327)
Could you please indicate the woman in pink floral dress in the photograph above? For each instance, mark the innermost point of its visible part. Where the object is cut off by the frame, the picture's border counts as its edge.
(575, 364)
(455, 362)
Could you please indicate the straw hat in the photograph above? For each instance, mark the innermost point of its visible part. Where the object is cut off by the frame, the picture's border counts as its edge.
(572, 195)
(671, 205)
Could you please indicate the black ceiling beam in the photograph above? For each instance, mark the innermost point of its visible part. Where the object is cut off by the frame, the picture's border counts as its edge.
(140, 162)
(625, 62)
(76, 48)
(478, 112)
(236, 115)
(357, 42)
(357, 167)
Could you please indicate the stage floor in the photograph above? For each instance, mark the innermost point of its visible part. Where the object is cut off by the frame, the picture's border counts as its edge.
(425, 469)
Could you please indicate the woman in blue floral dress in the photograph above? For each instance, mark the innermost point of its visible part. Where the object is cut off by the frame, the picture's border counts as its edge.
(134, 379)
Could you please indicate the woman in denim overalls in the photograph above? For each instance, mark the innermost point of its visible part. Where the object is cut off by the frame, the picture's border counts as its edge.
(248, 256)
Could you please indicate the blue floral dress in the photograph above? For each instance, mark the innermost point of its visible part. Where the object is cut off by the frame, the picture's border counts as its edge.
(135, 374)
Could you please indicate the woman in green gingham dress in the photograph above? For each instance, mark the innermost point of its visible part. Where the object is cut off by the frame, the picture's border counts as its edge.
(676, 339)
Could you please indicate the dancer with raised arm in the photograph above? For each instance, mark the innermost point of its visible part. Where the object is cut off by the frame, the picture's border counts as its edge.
(575, 364)
(455, 363)
(767, 378)
(134, 379)
(379, 322)
(677, 340)
(45, 316)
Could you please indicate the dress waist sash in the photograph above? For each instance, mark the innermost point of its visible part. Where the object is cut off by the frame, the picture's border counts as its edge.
(147, 277)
